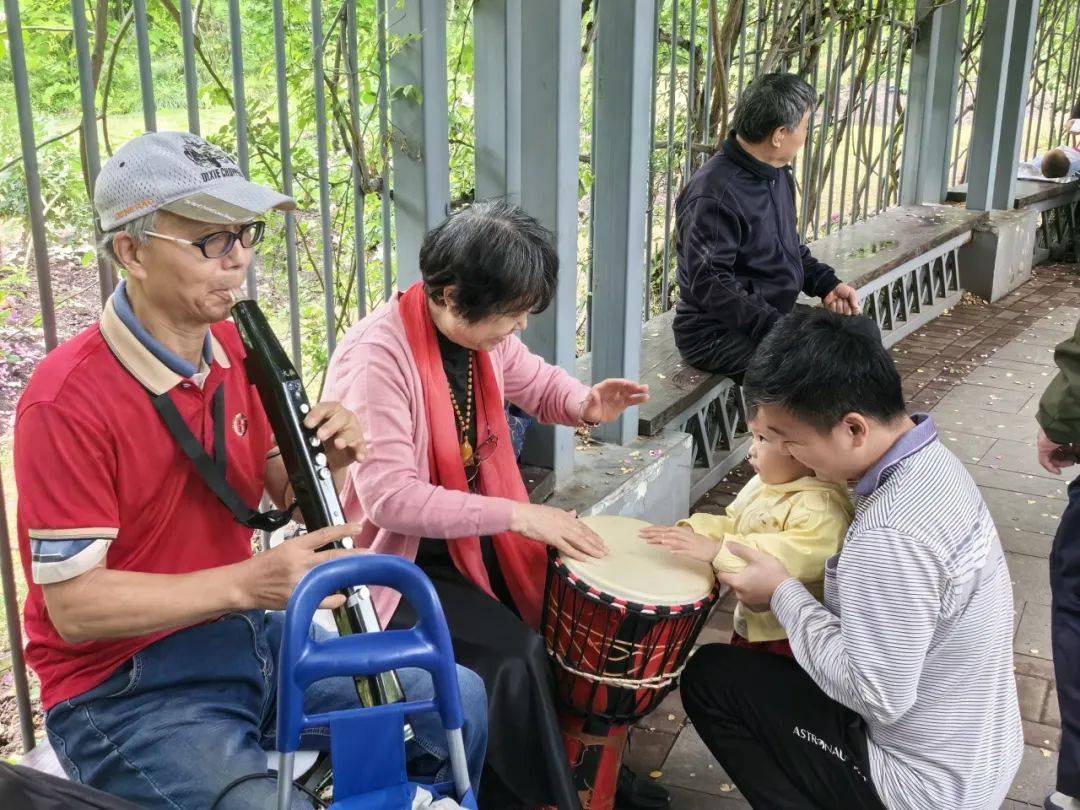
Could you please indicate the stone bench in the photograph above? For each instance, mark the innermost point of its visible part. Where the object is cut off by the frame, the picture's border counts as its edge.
(904, 264)
(1057, 206)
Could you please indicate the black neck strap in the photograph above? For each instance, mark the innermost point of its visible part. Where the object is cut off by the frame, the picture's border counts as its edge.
(212, 470)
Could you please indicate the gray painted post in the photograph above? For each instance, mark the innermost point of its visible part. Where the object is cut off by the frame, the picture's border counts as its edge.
(623, 87)
(88, 103)
(323, 151)
(191, 73)
(934, 77)
(27, 141)
(243, 156)
(1000, 102)
(550, 95)
(421, 128)
(497, 77)
(146, 71)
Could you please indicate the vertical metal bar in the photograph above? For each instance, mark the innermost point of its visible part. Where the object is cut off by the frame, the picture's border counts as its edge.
(285, 145)
(759, 37)
(12, 614)
(30, 168)
(497, 90)
(973, 11)
(323, 152)
(622, 71)
(691, 90)
(873, 120)
(823, 135)
(901, 49)
(1051, 37)
(422, 168)
(359, 192)
(243, 154)
(384, 147)
(1041, 31)
(742, 44)
(706, 135)
(551, 89)
(844, 138)
(146, 71)
(88, 103)
(191, 75)
(886, 129)
(651, 200)
(665, 281)
(810, 161)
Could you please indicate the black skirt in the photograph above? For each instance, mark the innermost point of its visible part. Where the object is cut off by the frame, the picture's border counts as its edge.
(526, 760)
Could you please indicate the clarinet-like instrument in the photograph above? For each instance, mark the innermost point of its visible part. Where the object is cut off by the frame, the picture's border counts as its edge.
(286, 404)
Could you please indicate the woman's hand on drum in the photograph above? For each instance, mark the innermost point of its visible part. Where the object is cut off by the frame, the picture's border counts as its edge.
(557, 528)
(682, 540)
(608, 399)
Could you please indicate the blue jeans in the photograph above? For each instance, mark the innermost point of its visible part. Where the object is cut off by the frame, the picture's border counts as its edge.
(191, 713)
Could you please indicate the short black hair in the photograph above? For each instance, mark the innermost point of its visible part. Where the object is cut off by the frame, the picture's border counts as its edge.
(820, 366)
(1055, 163)
(771, 101)
(498, 259)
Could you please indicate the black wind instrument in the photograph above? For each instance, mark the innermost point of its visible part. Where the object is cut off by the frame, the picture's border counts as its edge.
(286, 404)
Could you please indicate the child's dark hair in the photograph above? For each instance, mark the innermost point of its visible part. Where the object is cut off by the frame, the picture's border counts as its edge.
(820, 366)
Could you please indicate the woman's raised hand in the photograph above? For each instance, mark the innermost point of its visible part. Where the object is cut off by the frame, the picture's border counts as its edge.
(557, 528)
(610, 398)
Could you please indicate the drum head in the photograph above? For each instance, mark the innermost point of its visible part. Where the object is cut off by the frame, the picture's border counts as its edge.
(634, 571)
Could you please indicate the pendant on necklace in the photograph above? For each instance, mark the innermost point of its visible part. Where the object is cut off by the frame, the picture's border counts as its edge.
(466, 451)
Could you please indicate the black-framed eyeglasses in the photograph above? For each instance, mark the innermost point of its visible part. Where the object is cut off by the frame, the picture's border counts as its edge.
(219, 244)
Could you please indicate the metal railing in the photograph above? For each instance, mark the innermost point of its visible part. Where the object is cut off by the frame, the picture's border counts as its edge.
(1054, 84)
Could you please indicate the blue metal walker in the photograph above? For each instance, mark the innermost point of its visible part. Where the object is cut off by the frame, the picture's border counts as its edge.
(367, 745)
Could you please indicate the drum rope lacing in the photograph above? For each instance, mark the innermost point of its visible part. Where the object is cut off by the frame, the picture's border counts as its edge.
(655, 682)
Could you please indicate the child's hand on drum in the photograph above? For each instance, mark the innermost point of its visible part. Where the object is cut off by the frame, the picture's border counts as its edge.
(682, 540)
(557, 528)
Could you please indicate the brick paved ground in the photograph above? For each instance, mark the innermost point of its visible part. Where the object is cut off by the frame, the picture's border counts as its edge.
(980, 369)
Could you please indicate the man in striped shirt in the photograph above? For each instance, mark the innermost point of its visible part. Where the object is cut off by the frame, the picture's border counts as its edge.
(903, 693)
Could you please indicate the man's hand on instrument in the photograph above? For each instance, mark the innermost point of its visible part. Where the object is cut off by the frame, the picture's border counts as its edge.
(843, 299)
(557, 528)
(755, 584)
(1051, 457)
(269, 578)
(339, 431)
(608, 399)
(682, 540)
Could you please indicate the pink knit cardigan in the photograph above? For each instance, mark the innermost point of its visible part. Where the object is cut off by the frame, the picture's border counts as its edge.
(374, 374)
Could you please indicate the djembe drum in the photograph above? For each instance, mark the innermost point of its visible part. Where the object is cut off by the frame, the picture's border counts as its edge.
(618, 630)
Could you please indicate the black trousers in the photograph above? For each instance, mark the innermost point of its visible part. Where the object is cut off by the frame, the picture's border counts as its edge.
(782, 740)
(1065, 638)
(720, 356)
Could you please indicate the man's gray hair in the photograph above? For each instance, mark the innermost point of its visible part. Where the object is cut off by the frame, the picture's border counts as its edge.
(769, 102)
(136, 229)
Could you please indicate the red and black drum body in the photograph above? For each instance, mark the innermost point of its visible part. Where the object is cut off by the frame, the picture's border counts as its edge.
(618, 631)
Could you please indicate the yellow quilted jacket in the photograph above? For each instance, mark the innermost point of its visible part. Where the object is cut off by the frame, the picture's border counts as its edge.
(801, 523)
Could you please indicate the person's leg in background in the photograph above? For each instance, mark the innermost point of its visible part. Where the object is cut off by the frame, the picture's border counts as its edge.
(784, 743)
(1065, 638)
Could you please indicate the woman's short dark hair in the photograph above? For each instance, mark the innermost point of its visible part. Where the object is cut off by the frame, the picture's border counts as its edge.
(819, 366)
(498, 259)
(1075, 110)
(771, 101)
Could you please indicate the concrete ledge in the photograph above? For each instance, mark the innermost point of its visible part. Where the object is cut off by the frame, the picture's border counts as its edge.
(866, 251)
(1030, 194)
(998, 258)
(647, 479)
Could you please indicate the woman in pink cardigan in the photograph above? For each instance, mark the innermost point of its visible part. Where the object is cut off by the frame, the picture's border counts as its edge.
(427, 375)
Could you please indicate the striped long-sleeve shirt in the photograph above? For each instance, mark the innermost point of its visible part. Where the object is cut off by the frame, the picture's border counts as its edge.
(915, 633)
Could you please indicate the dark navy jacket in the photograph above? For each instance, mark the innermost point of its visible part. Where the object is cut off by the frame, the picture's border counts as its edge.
(741, 264)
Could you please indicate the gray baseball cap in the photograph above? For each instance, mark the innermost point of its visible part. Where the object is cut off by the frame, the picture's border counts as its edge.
(181, 173)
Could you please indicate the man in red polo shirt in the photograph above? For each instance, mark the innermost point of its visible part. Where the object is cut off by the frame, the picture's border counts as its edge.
(147, 616)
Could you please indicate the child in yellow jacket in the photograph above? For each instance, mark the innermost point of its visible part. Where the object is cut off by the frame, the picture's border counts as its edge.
(784, 511)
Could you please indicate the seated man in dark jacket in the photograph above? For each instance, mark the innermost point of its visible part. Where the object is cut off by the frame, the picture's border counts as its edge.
(741, 262)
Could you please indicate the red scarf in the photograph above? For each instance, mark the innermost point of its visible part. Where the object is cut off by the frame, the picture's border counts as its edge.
(522, 561)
